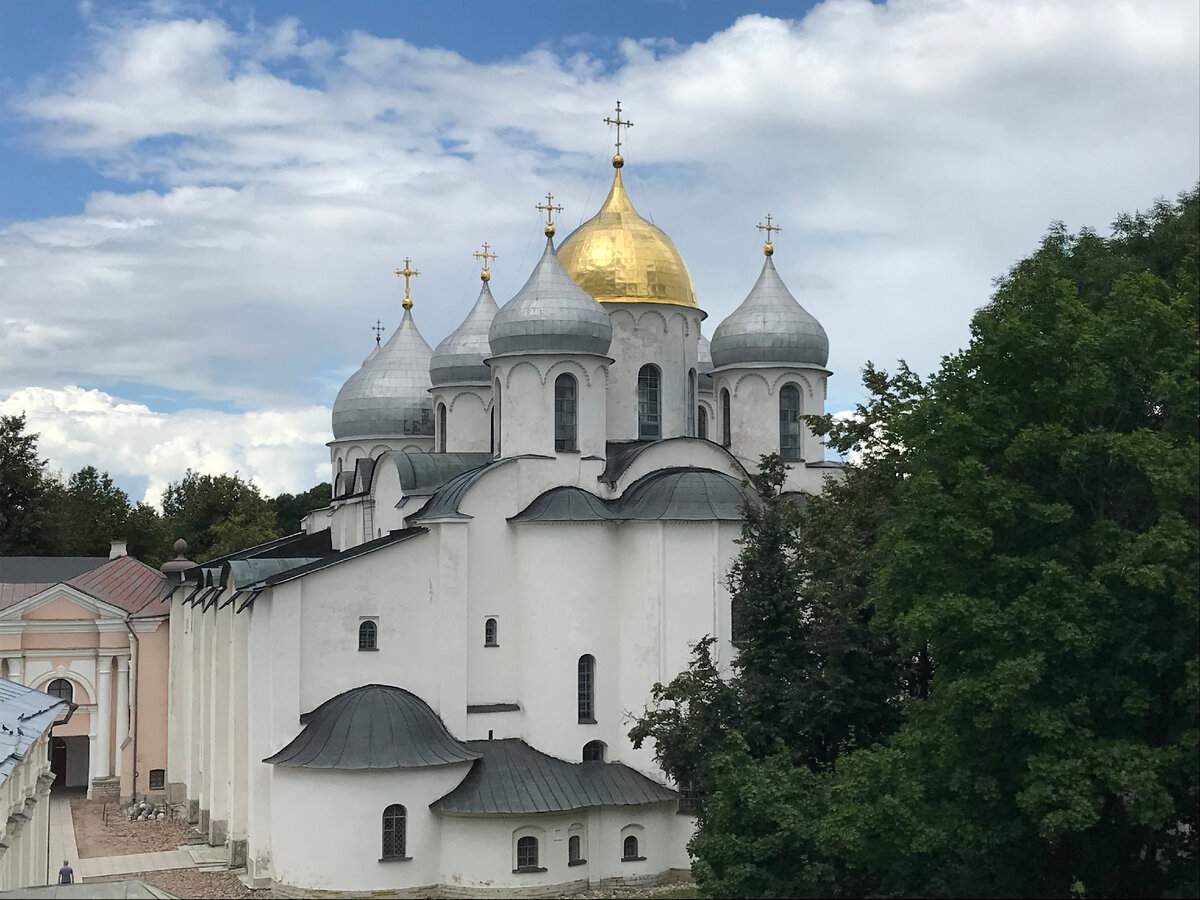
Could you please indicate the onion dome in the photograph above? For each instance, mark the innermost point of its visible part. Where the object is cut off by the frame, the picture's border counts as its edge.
(770, 327)
(459, 358)
(550, 314)
(389, 395)
(619, 257)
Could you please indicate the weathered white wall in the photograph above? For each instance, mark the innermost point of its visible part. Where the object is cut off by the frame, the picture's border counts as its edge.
(468, 417)
(527, 402)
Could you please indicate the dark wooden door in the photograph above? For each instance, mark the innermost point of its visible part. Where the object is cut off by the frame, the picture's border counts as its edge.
(58, 760)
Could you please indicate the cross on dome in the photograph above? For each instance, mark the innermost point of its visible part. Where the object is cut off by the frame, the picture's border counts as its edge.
(485, 275)
(378, 329)
(549, 208)
(618, 160)
(768, 247)
(406, 273)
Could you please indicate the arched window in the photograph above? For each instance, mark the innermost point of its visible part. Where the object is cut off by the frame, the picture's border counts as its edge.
(587, 689)
(368, 635)
(789, 422)
(527, 853)
(575, 850)
(726, 431)
(691, 401)
(62, 689)
(497, 432)
(491, 630)
(702, 423)
(595, 751)
(649, 403)
(441, 427)
(565, 394)
(395, 832)
(629, 849)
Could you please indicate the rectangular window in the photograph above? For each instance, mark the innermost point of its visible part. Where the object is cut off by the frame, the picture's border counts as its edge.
(158, 779)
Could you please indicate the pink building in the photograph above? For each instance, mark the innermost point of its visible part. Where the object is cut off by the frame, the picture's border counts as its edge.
(93, 631)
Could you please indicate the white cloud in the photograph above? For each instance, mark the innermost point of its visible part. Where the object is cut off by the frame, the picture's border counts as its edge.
(277, 450)
(912, 151)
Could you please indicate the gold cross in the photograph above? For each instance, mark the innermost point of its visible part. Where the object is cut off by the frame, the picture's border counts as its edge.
(768, 228)
(485, 256)
(620, 123)
(549, 208)
(406, 273)
(378, 329)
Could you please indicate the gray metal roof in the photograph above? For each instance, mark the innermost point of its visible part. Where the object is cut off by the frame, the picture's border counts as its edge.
(459, 358)
(512, 778)
(245, 572)
(550, 314)
(46, 569)
(770, 327)
(333, 559)
(25, 714)
(423, 473)
(678, 494)
(620, 455)
(444, 502)
(389, 395)
(704, 365)
(376, 726)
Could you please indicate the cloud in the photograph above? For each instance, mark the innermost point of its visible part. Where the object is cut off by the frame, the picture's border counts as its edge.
(277, 450)
(912, 151)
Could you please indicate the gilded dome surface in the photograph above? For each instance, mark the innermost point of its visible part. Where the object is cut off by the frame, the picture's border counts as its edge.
(619, 257)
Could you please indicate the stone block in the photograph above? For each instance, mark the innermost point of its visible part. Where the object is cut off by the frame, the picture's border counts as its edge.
(218, 830)
(204, 817)
(106, 789)
(193, 812)
(237, 854)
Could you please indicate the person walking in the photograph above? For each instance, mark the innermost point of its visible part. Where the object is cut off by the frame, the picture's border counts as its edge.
(66, 875)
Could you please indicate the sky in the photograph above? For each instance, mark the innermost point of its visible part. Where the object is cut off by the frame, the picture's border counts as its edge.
(202, 204)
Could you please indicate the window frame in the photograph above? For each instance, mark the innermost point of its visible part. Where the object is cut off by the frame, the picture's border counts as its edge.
(53, 692)
(491, 631)
(576, 856)
(373, 642)
(566, 414)
(726, 418)
(162, 780)
(789, 424)
(649, 403)
(398, 823)
(690, 429)
(702, 422)
(585, 697)
(441, 426)
(633, 833)
(522, 843)
(591, 748)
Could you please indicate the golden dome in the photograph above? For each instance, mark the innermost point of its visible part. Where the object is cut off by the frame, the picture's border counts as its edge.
(619, 257)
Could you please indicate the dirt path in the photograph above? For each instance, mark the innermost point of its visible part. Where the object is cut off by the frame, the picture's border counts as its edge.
(119, 837)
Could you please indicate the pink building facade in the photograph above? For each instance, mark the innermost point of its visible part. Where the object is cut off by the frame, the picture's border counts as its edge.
(93, 631)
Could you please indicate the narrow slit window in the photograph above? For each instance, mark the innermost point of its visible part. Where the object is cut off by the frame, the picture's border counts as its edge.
(491, 633)
(649, 403)
(368, 636)
(702, 423)
(574, 849)
(441, 427)
(789, 422)
(566, 391)
(395, 832)
(726, 431)
(691, 403)
(587, 689)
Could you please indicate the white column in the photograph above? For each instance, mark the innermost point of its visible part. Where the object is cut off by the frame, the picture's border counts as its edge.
(122, 702)
(103, 716)
(16, 669)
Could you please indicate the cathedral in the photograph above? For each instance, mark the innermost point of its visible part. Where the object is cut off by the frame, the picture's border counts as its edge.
(428, 689)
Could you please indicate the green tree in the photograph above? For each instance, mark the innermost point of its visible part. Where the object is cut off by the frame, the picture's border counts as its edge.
(22, 487)
(85, 513)
(148, 535)
(291, 508)
(217, 514)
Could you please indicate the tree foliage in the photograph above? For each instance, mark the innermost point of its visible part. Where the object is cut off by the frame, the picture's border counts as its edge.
(22, 485)
(1017, 548)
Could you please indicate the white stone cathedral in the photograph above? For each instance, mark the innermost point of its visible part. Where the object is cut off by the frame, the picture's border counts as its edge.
(428, 690)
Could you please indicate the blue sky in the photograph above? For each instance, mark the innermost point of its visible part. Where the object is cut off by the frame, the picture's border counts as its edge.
(202, 204)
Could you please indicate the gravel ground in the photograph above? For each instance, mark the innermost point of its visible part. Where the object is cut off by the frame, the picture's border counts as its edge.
(119, 837)
(192, 883)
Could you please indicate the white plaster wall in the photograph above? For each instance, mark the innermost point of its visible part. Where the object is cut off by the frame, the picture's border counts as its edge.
(672, 453)
(527, 402)
(330, 604)
(667, 336)
(754, 409)
(328, 826)
(350, 450)
(468, 417)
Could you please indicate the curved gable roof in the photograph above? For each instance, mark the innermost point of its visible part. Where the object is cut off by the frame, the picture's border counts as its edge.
(376, 726)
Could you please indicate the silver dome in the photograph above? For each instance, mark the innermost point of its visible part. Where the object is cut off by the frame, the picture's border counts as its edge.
(459, 358)
(770, 327)
(704, 364)
(551, 314)
(389, 395)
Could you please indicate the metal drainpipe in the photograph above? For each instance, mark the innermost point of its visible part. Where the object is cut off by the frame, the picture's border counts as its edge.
(133, 692)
